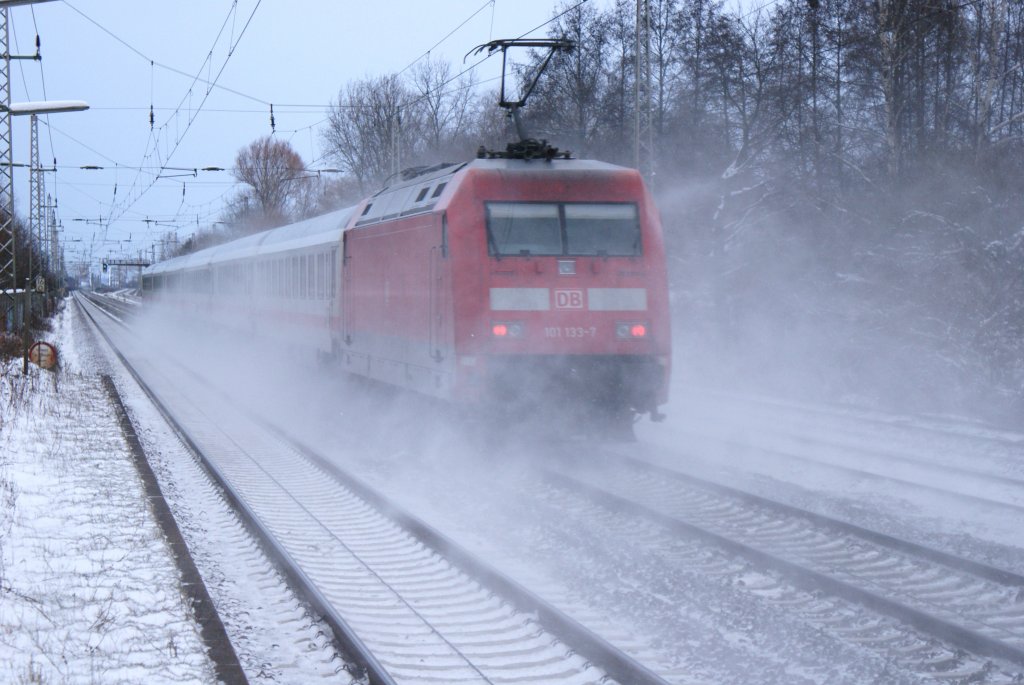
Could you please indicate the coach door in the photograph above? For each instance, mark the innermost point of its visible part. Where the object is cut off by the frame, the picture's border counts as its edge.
(438, 297)
(346, 291)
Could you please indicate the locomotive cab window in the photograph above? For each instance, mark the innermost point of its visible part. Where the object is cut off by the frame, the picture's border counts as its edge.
(520, 228)
(574, 229)
(602, 229)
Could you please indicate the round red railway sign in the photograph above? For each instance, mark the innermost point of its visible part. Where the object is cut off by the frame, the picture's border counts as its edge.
(44, 354)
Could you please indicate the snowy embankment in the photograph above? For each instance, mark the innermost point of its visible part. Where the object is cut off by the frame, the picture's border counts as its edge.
(88, 588)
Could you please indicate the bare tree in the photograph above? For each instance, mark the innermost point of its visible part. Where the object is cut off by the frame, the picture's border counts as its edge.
(445, 104)
(368, 128)
(275, 174)
(569, 98)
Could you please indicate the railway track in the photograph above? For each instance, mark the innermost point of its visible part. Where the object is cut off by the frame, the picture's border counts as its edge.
(977, 480)
(403, 611)
(970, 486)
(967, 605)
(987, 455)
(838, 416)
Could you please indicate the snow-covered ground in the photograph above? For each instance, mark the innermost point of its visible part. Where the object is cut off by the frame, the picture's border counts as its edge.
(89, 592)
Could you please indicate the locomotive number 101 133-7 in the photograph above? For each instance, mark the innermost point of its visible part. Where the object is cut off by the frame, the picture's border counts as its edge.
(570, 331)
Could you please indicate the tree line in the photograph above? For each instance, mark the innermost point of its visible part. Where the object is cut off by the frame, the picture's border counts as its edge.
(841, 181)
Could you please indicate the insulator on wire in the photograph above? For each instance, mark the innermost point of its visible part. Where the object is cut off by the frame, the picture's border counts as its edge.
(273, 125)
(152, 118)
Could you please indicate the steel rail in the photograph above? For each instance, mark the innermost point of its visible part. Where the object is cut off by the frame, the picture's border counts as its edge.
(1010, 436)
(878, 477)
(809, 440)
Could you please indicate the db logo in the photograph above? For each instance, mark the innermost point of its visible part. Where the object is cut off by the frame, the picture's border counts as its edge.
(568, 299)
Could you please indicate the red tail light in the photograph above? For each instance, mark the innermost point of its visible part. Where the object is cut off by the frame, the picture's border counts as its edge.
(631, 331)
(507, 329)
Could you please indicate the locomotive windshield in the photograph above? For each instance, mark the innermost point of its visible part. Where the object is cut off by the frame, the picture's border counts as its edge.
(570, 228)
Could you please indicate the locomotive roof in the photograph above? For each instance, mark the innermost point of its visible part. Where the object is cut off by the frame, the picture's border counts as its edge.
(501, 164)
(323, 229)
(540, 164)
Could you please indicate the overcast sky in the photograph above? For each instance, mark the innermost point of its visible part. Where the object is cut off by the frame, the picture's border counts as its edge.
(296, 54)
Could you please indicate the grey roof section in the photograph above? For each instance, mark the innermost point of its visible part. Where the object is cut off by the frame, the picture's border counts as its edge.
(540, 164)
(502, 165)
(325, 229)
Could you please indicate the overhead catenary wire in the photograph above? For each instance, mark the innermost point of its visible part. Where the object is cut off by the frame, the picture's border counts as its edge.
(161, 65)
(193, 116)
(155, 138)
(164, 144)
(447, 36)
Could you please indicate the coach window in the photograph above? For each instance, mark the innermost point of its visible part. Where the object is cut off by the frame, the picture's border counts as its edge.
(321, 273)
(438, 190)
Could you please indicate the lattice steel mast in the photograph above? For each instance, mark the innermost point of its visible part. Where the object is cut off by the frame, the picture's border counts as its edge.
(37, 254)
(8, 261)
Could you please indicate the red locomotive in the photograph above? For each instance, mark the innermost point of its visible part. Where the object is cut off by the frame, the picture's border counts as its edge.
(518, 279)
(506, 280)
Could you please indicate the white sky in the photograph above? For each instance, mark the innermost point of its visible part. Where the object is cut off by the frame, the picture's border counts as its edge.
(296, 54)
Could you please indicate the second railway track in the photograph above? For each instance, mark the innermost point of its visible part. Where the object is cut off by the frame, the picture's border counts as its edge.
(973, 606)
